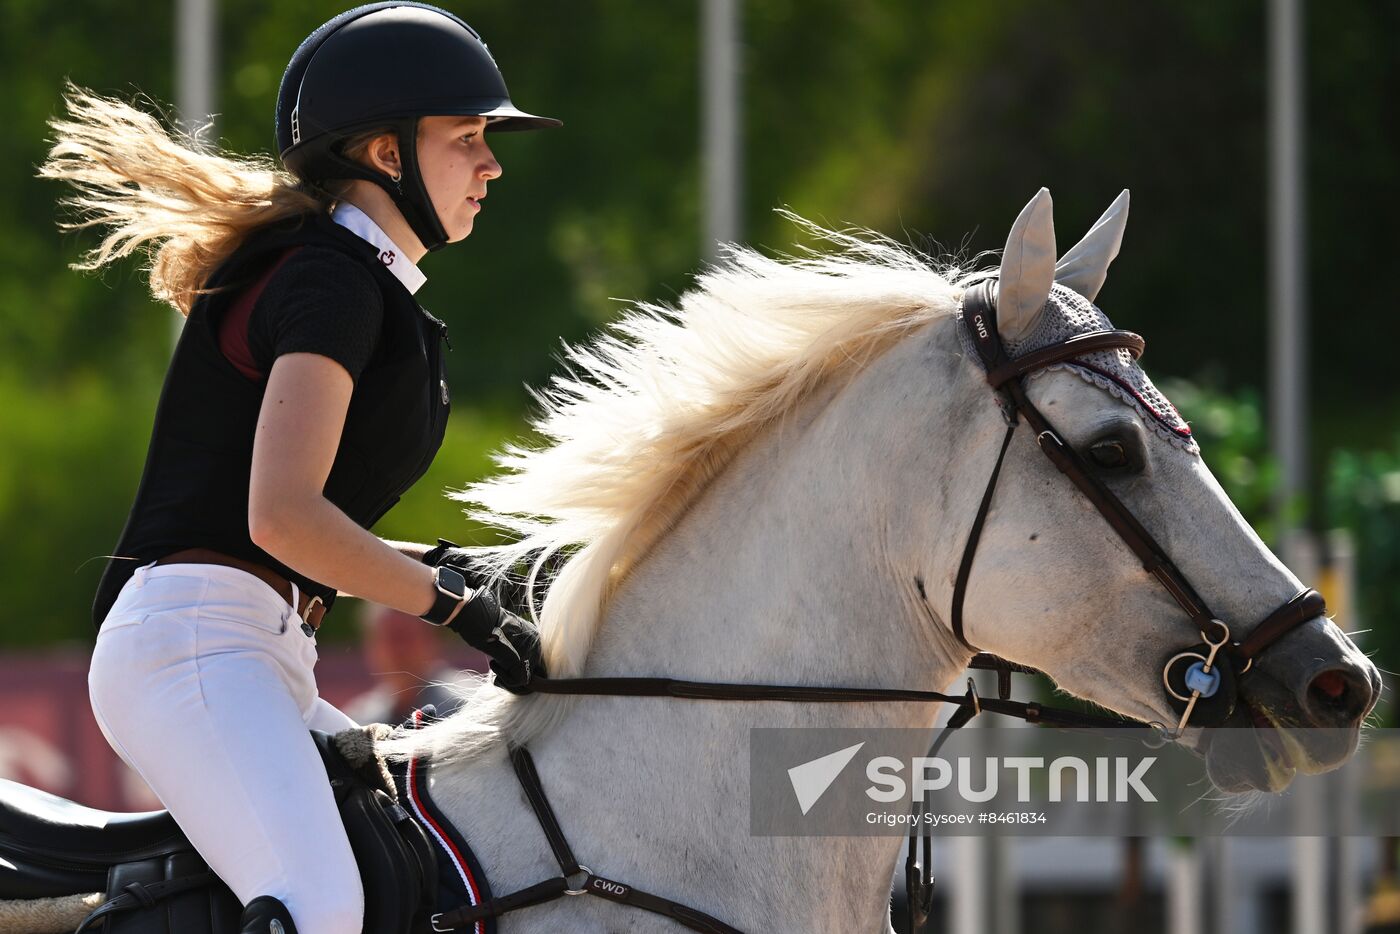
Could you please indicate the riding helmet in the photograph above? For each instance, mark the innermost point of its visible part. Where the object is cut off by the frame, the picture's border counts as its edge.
(388, 64)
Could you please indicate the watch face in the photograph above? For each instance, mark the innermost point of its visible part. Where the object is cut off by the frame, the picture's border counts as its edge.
(450, 580)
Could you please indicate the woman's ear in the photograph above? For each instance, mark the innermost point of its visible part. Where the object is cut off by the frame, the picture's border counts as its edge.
(383, 154)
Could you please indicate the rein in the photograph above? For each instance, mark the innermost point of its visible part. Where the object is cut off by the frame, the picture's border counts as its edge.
(1193, 678)
(969, 705)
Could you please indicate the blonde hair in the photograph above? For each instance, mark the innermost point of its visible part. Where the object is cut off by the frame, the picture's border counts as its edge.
(186, 205)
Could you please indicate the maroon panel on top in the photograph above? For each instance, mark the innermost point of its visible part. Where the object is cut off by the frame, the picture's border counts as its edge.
(233, 329)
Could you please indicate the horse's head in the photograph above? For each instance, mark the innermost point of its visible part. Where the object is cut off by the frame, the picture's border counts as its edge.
(828, 419)
(1054, 586)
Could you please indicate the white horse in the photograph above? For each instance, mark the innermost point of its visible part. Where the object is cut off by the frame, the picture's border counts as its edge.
(774, 483)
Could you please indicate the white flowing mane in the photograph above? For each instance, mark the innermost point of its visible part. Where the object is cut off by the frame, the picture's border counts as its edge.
(651, 411)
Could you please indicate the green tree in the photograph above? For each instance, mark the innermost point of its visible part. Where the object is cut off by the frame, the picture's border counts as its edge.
(902, 115)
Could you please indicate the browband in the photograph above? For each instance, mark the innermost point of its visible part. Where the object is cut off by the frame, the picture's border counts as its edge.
(1075, 346)
(979, 304)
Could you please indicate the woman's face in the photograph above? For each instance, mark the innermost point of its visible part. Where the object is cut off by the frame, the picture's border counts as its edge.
(456, 164)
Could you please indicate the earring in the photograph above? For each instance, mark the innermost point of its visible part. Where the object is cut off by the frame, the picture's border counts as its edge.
(395, 178)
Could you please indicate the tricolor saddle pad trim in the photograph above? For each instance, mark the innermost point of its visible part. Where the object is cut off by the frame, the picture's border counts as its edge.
(460, 877)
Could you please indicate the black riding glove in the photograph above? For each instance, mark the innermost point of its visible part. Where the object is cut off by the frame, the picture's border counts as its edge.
(483, 623)
(512, 643)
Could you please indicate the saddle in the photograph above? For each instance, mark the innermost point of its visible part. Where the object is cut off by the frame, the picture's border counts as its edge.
(155, 883)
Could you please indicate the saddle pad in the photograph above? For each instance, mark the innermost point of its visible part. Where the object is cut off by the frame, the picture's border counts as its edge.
(460, 879)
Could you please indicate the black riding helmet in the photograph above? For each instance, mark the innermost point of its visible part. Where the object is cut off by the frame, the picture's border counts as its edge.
(388, 64)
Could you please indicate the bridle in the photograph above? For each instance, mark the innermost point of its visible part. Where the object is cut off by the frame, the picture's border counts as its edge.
(1202, 681)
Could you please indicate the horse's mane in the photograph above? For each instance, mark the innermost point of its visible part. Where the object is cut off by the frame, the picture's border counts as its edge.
(647, 414)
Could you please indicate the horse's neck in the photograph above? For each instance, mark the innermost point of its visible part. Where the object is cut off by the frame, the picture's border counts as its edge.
(791, 567)
(782, 572)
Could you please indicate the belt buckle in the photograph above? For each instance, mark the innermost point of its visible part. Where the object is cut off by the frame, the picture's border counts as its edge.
(306, 626)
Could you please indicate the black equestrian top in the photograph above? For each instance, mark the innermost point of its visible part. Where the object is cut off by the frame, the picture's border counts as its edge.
(331, 296)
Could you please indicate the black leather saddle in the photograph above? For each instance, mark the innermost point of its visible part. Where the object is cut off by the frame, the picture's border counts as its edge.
(50, 846)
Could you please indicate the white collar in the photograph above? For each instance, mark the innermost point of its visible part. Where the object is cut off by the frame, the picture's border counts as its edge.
(363, 226)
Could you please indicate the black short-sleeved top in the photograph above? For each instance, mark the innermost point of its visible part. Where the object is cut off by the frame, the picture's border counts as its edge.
(317, 301)
(330, 295)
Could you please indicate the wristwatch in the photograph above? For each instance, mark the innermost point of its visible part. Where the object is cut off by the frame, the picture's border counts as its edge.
(451, 595)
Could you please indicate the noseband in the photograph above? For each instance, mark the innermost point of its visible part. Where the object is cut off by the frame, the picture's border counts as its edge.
(1201, 680)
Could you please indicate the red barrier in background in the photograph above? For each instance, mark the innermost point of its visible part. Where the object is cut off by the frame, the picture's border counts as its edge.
(49, 739)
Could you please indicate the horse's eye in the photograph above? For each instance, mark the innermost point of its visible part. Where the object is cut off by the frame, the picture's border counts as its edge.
(1109, 454)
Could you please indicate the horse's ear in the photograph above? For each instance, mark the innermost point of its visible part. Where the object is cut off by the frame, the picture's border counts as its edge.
(1027, 268)
(1085, 266)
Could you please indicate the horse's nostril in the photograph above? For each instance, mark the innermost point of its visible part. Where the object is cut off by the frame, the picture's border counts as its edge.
(1331, 684)
(1338, 697)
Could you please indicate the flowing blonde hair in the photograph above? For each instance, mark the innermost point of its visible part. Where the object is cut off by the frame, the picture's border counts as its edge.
(186, 205)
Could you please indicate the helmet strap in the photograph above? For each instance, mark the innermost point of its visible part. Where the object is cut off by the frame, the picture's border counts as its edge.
(408, 192)
(412, 197)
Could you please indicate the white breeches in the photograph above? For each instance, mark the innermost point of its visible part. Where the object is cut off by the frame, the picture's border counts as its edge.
(202, 682)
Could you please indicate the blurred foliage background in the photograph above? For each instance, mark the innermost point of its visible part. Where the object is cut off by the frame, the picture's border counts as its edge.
(917, 119)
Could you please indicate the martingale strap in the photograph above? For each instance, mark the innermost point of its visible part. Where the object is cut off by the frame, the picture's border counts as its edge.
(969, 704)
(570, 870)
(589, 883)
